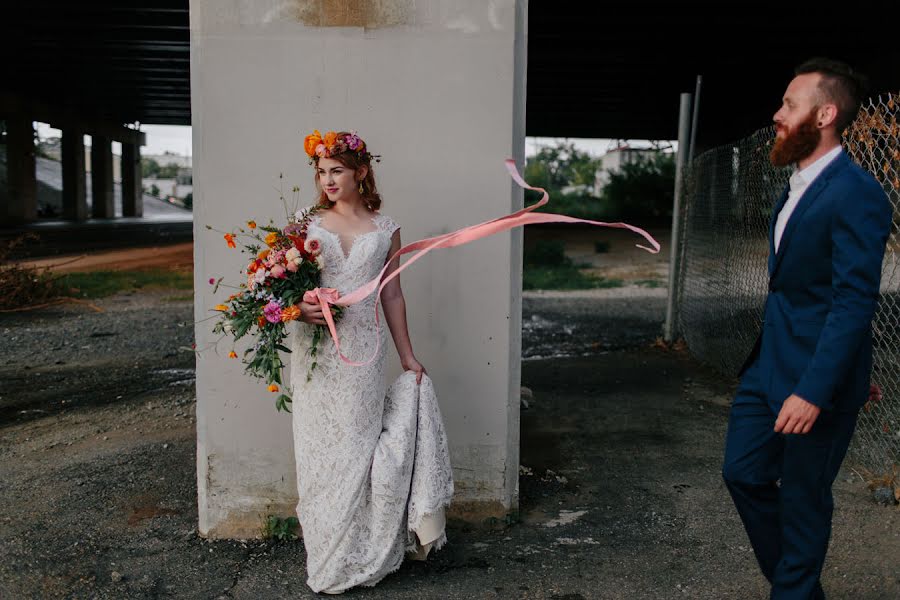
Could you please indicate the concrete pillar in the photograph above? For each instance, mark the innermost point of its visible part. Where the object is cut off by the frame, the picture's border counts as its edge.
(74, 200)
(132, 187)
(21, 198)
(437, 88)
(102, 206)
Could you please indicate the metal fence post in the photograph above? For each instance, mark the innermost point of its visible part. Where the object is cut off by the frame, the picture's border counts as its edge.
(684, 136)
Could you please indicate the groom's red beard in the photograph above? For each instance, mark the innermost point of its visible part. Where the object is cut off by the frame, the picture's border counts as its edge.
(796, 144)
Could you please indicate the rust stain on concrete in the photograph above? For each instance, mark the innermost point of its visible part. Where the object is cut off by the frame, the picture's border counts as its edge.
(369, 14)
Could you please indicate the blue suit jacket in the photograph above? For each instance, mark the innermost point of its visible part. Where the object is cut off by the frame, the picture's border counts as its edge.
(816, 339)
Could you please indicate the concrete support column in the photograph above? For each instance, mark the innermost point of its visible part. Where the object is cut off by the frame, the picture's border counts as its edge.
(74, 200)
(21, 196)
(102, 206)
(132, 186)
(436, 87)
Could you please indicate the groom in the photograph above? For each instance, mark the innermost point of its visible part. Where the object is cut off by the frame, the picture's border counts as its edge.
(808, 374)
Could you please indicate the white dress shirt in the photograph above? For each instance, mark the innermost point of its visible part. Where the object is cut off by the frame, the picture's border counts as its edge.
(799, 183)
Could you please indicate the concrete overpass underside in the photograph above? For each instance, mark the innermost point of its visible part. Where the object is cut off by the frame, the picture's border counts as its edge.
(103, 67)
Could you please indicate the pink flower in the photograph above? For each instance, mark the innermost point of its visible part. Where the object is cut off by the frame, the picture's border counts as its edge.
(312, 246)
(292, 266)
(272, 311)
(212, 280)
(321, 151)
(277, 271)
(353, 141)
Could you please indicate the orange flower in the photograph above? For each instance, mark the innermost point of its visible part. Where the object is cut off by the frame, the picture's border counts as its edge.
(291, 313)
(264, 254)
(330, 139)
(273, 387)
(311, 141)
(251, 224)
(232, 354)
(271, 238)
(261, 322)
(230, 239)
(253, 266)
(221, 307)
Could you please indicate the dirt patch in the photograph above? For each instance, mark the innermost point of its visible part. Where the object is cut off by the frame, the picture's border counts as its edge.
(175, 257)
(618, 258)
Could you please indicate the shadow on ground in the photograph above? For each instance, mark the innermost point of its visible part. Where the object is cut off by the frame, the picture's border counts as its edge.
(620, 489)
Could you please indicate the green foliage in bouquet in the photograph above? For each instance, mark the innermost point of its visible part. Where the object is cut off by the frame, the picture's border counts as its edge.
(285, 265)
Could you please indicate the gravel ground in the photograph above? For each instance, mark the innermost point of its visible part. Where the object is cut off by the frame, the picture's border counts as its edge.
(620, 489)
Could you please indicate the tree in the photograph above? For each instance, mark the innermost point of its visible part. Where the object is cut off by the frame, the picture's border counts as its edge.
(170, 171)
(642, 188)
(149, 167)
(556, 167)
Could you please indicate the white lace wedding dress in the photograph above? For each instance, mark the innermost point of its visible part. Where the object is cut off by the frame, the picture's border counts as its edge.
(373, 470)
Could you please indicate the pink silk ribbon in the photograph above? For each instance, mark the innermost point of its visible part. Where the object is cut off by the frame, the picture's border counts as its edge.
(525, 216)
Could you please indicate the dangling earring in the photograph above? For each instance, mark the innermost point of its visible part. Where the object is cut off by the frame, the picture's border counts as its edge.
(361, 191)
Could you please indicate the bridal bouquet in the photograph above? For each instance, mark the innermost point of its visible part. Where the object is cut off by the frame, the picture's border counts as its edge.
(285, 265)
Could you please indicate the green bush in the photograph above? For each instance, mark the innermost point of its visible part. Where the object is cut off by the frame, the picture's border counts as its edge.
(547, 253)
(643, 188)
(548, 268)
(563, 278)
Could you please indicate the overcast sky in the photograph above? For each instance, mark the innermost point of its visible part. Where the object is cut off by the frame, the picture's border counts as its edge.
(160, 138)
(177, 139)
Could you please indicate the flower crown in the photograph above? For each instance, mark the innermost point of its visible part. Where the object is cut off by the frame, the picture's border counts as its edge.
(334, 143)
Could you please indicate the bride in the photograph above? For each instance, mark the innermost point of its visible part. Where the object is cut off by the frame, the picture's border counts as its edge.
(373, 470)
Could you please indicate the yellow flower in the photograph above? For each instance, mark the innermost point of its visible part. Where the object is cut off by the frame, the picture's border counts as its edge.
(271, 238)
(221, 307)
(265, 253)
(273, 387)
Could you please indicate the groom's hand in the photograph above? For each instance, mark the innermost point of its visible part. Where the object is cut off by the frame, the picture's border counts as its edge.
(796, 415)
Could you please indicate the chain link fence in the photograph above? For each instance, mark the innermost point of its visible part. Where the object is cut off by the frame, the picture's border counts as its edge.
(729, 194)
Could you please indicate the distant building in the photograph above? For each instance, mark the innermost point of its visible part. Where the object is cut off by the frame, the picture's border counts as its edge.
(170, 158)
(50, 148)
(178, 188)
(614, 160)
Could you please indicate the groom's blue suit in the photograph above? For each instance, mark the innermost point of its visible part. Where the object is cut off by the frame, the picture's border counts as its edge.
(816, 342)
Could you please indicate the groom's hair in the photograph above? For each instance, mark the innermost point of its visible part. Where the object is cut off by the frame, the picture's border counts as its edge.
(840, 84)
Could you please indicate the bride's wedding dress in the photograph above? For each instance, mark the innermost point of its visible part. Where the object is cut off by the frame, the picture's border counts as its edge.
(373, 470)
